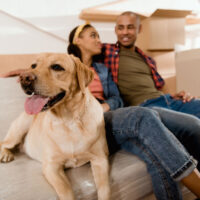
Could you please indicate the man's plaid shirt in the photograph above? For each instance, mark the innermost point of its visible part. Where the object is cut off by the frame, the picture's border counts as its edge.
(111, 60)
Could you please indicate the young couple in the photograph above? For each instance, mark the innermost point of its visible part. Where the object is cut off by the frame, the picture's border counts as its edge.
(140, 130)
(167, 141)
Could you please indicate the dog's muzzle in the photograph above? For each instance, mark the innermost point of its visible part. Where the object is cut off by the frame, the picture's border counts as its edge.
(27, 80)
(37, 102)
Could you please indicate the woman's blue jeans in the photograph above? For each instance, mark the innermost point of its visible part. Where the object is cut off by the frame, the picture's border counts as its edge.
(140, 131)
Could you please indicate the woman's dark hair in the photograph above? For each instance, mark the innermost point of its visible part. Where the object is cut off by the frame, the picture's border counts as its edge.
(73, 48)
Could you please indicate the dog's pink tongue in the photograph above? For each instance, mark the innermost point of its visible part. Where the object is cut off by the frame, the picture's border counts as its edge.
(34, 104)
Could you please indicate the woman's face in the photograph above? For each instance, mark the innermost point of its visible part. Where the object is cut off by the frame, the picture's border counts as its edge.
(89, 42)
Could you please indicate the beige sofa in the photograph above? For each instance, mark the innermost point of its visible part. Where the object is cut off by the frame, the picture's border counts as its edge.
(22, 178)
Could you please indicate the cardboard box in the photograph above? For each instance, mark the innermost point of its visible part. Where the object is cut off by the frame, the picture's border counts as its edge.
(162, 30)
(188, 71)
(165, 61)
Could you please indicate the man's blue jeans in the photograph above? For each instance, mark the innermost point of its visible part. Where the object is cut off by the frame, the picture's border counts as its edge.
(140, 131)
(166, 101)
(185, 127)
(175, 118)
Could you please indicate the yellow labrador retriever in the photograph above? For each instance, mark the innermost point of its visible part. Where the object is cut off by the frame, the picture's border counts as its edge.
(63, 125)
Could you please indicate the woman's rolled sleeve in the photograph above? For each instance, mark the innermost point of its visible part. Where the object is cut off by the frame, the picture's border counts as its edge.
(113, 97)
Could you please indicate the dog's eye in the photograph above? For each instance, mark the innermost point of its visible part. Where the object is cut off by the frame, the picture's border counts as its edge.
(57, 67)
(33, 66)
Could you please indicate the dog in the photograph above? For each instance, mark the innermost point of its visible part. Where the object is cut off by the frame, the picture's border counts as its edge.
(62, 125)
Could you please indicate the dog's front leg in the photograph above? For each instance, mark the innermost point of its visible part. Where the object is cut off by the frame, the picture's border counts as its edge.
(55, 175)
(100, 169)
(14, 136)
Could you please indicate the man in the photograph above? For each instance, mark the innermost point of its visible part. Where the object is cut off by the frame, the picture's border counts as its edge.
(136, 74)
(140, 84)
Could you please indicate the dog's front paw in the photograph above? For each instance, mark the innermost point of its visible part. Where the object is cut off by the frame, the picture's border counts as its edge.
(6, 156)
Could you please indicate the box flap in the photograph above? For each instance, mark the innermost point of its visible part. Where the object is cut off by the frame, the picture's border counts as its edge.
(96, 15)
(105, 15)
(169, 8)
(171, 13)
(99, 15)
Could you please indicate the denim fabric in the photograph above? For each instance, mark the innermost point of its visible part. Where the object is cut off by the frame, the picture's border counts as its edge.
(185, 127)
(110, 89)
(140, 131)
(166, 101)
(181, 119)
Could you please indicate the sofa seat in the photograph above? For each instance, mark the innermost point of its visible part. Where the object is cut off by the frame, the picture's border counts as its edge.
(22, 178)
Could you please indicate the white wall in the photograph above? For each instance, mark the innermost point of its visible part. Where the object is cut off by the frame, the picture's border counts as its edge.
(42, 34)
(19, 37)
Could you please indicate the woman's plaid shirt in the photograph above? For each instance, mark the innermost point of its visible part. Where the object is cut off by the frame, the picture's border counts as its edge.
(111, 60)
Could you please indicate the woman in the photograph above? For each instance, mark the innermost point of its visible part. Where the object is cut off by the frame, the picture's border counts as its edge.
(135, 129)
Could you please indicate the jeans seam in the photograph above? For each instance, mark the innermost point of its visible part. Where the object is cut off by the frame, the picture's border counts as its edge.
(165, 183)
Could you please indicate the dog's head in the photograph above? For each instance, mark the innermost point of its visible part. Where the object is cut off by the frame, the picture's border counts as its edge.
(53, 78)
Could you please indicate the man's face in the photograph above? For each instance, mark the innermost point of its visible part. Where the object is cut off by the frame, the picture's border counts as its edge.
(126, 30)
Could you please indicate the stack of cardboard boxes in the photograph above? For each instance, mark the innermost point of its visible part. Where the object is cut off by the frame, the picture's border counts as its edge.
(162, 31)
(188, 71)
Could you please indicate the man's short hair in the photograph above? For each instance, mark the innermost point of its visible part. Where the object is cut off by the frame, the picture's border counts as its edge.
(129, 13)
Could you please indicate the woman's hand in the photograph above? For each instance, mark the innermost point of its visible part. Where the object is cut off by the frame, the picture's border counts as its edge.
(105, 107)
(185, 97)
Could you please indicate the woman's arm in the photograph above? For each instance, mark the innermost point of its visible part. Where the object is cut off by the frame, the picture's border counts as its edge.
(113, 98)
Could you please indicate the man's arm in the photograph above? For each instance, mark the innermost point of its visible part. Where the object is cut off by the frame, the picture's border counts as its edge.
(182, 95)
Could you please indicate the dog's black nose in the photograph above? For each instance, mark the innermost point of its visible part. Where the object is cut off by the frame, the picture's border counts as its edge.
(27, 80)
(27, 77)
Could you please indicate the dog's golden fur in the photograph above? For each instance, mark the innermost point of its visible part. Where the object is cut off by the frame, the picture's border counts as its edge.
(68, 134)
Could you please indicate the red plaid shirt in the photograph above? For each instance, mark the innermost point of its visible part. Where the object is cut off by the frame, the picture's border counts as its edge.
(111, 60)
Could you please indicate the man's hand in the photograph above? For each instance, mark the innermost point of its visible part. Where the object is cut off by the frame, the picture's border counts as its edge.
(105, 107)
(185, 97)
(13, 73)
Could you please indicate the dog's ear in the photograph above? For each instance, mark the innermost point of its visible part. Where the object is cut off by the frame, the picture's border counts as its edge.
(84, 74)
